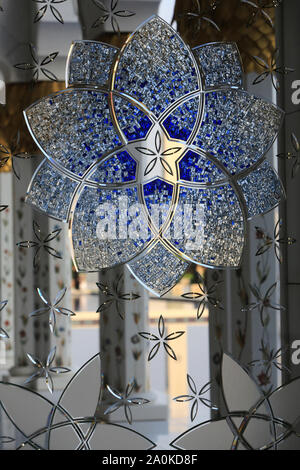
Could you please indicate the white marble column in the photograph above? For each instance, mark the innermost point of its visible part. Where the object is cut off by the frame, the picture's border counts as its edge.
(123, 352)
(123, 356)
(232, 330)
(288, 43)
(23, 302)
(19, 281)
(7, 269)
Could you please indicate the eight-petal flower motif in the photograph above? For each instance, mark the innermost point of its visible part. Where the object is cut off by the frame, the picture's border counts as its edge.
(45, 370)
(156, 125)
(52, 308)
(162, 339)
(124, 400)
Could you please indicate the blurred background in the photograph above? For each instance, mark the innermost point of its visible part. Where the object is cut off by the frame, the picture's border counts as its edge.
(211, 306)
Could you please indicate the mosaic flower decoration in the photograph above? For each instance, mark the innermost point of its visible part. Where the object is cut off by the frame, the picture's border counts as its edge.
(154, 125)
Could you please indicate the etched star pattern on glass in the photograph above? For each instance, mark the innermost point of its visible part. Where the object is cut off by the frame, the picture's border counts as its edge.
(124, 400)
(163, 339)
(114, 295)
(251, 420)
(70, 420)
(41, 244)
(196, 397)
(155, 124)
(52, 308)
(45, 369)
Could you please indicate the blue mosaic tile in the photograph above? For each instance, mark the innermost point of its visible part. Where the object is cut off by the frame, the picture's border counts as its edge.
(74, 127)
(181, 122)
(158, 198)
(103, 235)
(199, 169)
(208, 226)
(133, 122)
(220, 63)
(159, 269)
(237, 128)
(262, 189)
(46, 190)
(156, 67)
(120, 168)
(90, 63)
